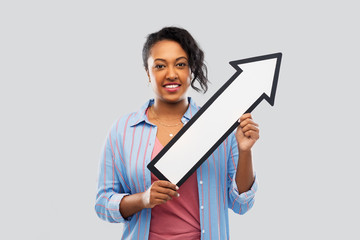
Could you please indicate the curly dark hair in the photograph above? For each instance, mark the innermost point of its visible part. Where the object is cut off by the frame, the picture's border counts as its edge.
(190, 46)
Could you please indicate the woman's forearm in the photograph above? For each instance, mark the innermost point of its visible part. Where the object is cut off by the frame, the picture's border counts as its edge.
(244, 173)
(131, 204)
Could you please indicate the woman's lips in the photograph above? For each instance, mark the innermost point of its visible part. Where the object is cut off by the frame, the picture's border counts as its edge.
(172, 87)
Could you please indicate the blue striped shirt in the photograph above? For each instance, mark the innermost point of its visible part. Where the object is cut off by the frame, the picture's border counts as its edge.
(123, 171)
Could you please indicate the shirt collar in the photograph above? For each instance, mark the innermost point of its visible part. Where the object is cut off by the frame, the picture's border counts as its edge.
(140, 115)
(192, 109)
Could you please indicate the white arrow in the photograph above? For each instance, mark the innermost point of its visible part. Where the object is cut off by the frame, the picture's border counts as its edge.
(256, 79)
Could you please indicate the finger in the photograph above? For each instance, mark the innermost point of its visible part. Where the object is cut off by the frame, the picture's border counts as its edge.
(160, 201)
(249, 127)
(161, 197)
(167, 184)
(168, 192)
(166, 187)
(248, 121)
(252, 134)
(245, 116)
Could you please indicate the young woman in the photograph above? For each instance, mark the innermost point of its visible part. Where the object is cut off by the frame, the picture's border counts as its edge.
(152, 209)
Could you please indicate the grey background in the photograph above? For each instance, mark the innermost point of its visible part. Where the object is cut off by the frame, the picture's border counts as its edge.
(69, 69)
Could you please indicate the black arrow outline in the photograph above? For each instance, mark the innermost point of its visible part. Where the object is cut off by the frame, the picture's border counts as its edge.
(270, 99)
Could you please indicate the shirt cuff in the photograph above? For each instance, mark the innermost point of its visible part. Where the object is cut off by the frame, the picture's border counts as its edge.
(245, 197)
(114, 207)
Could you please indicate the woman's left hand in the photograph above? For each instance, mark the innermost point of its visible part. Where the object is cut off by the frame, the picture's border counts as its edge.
(247, 133)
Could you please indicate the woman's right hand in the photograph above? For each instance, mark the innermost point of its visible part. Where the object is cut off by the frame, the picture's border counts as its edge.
(158, 193)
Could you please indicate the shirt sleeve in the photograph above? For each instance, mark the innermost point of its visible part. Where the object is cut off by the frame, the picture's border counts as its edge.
(239, 203)
(111, 188)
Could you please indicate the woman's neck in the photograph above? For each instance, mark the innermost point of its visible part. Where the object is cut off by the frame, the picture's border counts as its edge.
(170, 110)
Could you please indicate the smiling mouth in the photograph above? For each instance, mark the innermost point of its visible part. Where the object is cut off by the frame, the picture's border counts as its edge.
(170, 86)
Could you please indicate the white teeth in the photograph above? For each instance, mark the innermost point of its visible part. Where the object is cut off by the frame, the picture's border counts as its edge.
(171, 86)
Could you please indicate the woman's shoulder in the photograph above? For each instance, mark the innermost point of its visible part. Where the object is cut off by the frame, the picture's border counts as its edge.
(125, 121)
(130, 119)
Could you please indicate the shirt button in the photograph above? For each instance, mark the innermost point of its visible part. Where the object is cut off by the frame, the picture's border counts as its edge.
(203, 231)
(201, 182)
(202, 207)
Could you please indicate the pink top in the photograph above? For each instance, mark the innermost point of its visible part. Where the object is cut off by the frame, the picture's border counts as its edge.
(179, 218)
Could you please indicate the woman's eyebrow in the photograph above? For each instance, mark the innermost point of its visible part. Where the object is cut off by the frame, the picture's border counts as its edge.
(159, 59)
(177, 59)
(181, 58)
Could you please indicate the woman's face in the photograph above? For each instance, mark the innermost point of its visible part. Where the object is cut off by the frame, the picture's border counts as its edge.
(168, 71)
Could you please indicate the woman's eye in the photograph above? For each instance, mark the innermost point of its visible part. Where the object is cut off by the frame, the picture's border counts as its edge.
(159, 66)
(181, 64)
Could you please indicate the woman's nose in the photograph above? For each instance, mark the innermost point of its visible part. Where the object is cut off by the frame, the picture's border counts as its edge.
(171, 73)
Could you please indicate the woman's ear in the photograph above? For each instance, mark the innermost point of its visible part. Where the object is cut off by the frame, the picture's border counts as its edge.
(148, 74)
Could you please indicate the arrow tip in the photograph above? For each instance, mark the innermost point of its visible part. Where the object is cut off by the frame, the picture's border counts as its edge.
(269, 95)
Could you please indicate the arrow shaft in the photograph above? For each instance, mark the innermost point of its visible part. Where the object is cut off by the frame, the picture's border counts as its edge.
(206, 130)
